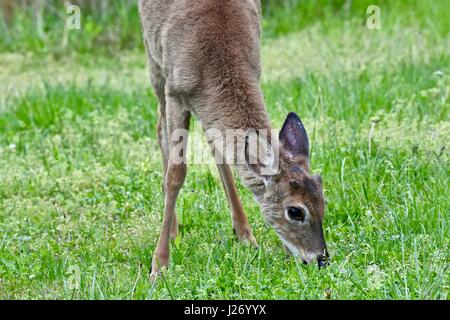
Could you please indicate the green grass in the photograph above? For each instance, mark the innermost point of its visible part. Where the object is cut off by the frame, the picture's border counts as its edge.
(80, 170)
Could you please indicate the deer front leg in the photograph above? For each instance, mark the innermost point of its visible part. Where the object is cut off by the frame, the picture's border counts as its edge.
(173, 180)
(164, 145)
(240, 223)
(158, 83)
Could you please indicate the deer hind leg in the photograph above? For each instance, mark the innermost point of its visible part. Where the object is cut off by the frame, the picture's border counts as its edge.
(159, 83)
(176, 118)
(240, 223)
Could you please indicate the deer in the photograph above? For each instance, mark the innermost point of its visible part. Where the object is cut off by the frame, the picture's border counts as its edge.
(204, 61)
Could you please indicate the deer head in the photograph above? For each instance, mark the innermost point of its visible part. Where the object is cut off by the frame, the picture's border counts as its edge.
(292, 199)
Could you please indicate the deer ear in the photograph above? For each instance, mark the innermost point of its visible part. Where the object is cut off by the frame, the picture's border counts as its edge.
(293, 136)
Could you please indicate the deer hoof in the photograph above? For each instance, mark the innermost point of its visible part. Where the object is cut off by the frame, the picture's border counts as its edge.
(154, 276)
(246, 236)
(159, 261)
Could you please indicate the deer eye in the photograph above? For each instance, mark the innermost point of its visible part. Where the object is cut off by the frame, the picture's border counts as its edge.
(296, 213)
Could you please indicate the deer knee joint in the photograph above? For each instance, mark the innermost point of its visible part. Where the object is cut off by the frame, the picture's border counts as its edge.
(175, 176)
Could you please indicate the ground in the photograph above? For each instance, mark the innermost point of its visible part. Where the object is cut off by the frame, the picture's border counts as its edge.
(80, 173)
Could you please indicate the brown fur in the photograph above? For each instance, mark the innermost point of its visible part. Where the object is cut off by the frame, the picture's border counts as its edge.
(204, 58)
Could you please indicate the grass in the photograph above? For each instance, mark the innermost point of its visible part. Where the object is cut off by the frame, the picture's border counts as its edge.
(80, 171)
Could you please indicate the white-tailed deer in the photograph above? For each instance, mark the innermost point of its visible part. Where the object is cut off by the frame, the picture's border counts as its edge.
(204, 59)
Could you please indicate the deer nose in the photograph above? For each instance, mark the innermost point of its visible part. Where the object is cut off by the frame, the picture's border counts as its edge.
(322, 261)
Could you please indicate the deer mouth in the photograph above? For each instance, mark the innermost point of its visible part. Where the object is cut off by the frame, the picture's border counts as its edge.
(323, 261)
(308, 258)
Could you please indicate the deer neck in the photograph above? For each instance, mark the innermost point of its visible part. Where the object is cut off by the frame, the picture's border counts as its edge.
(244, 110)
(238, 105)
